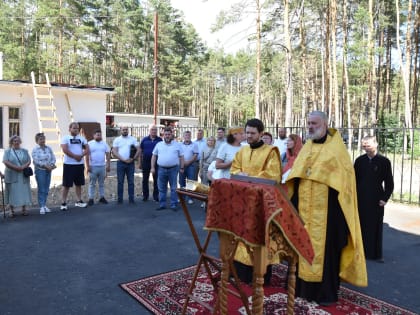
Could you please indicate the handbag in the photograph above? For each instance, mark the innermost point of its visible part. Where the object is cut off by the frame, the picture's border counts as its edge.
(133, 151)
(27, 171)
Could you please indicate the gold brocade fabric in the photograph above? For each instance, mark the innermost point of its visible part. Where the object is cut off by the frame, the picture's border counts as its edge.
(319, 166)
(249, 210)
(263, 162)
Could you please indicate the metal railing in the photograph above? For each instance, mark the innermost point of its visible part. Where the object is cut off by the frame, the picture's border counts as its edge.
(400, 145)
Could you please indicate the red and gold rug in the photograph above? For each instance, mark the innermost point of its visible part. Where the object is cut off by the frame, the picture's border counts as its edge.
(165, 294)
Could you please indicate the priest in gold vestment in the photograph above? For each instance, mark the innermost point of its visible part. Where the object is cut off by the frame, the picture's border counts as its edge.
(322, 186)
(257, 160)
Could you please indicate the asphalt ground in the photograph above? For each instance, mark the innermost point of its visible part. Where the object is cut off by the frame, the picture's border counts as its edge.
(72, 262)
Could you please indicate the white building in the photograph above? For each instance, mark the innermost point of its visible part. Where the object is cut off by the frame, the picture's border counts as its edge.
(19, 113)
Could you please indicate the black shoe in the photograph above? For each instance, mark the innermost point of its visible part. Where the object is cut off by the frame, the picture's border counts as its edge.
(119, 202)
(103, 200)
(174, 208)
(90, 202)
(132, 202)
(160, 208)
(380, 260)
(145, 199)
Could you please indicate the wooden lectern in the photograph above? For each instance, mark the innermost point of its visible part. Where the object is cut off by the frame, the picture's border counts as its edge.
(260, 216)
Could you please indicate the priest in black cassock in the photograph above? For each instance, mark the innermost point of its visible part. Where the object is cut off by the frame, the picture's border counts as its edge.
(374, 187)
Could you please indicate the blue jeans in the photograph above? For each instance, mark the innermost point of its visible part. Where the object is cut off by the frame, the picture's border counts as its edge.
(97, 173)
(125, 169)
(189, 172)
(166, 175)
(43, 180)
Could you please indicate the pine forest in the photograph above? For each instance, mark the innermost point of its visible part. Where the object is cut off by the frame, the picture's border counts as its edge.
(357, 60)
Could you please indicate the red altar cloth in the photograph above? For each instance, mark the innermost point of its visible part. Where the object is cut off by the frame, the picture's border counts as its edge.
(247, 210)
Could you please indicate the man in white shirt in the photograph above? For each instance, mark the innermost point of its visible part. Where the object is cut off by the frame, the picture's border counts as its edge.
(190, 150)
(75, 148)
(220, 137)
(169, 158)
(98, 164)
(281, 141)
(126, 149)
(202, 144)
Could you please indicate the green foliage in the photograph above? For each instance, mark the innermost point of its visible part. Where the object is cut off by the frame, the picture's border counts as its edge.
(111, 43)
(388, 138)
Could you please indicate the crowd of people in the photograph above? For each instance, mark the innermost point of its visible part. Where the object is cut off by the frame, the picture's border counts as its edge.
(341, 204)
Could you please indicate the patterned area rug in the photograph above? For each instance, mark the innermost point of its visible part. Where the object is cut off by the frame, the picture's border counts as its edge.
(165, 294)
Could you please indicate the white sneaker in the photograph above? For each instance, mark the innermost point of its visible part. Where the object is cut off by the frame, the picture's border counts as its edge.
(63, 207)
(203, 205)
(190, 202)
(81, 204)
(47, 209)
(42, 210)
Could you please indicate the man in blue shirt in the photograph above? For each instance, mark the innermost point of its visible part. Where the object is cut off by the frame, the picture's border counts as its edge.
(147, 145)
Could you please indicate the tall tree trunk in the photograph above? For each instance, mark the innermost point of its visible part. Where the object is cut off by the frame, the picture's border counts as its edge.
(416, 71)
(303, 60)
(379, 74)
(370, 104)
(289, 67)
(346, 93)
(258, 68)
(60, 45)
(405, 68)
(387, 87)
(327, 67)
(334, 75)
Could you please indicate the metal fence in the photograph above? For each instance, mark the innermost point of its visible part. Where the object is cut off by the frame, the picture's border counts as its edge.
(400, 145)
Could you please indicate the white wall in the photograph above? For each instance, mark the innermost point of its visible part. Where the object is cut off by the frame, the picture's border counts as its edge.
(88, 105)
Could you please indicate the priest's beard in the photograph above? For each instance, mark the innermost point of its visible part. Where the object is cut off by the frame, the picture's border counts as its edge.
(316, 134)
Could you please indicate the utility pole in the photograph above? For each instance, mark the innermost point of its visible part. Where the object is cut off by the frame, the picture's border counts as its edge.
(155, 72)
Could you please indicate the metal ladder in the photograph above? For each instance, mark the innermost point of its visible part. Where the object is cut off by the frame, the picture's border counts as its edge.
(47, 116)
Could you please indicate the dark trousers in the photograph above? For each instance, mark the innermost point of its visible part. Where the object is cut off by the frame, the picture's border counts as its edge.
(145, 182)
(125, 170)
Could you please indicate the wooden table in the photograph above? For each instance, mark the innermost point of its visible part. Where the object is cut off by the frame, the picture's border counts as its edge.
(204, 259)
(261, 217)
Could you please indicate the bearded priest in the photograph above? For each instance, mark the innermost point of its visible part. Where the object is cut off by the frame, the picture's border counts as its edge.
(322, 186)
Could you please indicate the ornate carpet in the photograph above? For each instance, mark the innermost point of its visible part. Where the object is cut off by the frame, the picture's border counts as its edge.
(165, 294)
